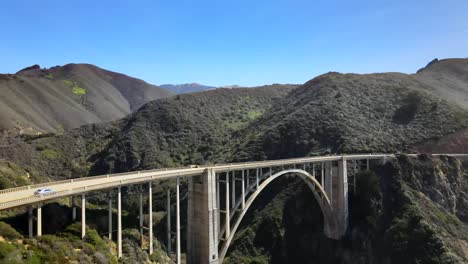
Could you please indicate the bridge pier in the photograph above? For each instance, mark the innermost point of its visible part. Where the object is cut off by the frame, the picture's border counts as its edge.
(178, 251)
(169, 236)
(83, 215)
(39, 220)
(328, 178)
(119, 222)
(202, 233)
(150, 213)
(140, 217)
(337, 190)
(110, 215)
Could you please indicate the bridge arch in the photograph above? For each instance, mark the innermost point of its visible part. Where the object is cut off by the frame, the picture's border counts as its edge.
(330, 223)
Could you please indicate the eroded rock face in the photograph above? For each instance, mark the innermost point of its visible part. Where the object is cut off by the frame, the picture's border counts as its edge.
(443, 180)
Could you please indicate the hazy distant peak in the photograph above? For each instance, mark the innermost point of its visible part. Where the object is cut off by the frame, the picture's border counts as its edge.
(186, 87)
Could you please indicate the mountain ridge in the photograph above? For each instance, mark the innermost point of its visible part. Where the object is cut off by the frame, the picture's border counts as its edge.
(36, 100)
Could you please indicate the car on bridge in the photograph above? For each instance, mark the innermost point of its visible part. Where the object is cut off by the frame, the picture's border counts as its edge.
(41, 192)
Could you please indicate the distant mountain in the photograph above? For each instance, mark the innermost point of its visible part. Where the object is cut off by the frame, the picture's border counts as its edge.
(63, 97)
(186, 87)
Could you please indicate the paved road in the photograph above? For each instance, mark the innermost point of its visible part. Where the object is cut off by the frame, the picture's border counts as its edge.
(25, 195)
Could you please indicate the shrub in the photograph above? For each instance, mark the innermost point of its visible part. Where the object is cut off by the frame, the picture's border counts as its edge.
(6, 249)
(8, 232)
(49, 154)
(68, 83)
(79, 90)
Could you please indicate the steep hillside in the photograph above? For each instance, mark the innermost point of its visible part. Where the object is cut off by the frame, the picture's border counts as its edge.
(181, 130)
(186, 87)
(186, 129)
(51, 100)
(447, 78)
(344, 113)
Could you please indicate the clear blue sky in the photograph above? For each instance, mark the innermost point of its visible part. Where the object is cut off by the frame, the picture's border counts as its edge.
(223, 42)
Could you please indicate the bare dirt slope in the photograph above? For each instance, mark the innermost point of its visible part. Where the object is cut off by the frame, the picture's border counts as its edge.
(50, 100)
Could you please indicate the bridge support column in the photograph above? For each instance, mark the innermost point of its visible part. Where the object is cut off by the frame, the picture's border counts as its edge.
(39, 221)
(322, 175)
(233, 193)
(72, 204)
(119, 222)
(110, 215)
(30, 222)
(178, 251)
(328, 186)
(202, 235)
(339, 199)
(168, 208)
(150, 217)
(243, 191)
(256, 179)
(83, 215)
(227, 213)
(140, 218)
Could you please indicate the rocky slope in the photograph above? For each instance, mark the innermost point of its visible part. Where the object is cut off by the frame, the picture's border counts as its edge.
(50, 100)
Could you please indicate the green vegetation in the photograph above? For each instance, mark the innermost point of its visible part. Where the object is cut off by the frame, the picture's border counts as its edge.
(76, 89)
(79, 91)
(7, 232)
(69, 83)
(49, 76)
(11, 175)
(50, 154)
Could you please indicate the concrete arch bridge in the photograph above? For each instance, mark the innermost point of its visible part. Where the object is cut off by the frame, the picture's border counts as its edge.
(218, 198)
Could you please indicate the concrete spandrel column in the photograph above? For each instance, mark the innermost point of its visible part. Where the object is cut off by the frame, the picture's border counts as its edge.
(233, 193)
(141, 216)
(248, 181)
(322, 175)
(227, 213)
(178, 252)
(150, 217)
(39, 221)
(329, 181)
(119, 222)
(83, 215)
(256, 179)
(243, 191)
